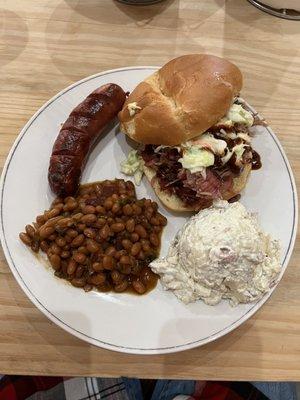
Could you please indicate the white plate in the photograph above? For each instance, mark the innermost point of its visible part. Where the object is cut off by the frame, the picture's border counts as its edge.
(151, 324)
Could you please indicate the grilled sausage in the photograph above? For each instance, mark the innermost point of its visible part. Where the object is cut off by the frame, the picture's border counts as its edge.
(78, 134)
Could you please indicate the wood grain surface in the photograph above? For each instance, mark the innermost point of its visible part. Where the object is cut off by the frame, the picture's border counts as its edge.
(47, 45)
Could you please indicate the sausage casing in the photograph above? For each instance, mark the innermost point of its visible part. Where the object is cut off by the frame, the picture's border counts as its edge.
(78, 134)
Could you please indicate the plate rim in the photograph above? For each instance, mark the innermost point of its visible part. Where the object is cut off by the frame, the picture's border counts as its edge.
(97, 342)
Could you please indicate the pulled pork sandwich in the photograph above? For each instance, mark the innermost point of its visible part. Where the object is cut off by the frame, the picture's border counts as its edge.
(193, 130)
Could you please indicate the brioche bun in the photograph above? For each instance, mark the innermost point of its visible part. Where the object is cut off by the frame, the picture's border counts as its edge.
(181, 100)
(174, 203)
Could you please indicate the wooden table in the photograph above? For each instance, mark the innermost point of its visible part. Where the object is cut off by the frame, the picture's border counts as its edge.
(47, 45)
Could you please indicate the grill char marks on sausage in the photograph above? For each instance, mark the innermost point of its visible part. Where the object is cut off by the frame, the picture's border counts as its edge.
(78, 134)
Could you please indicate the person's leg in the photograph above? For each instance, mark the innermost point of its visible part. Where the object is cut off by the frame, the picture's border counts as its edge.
(169, 389)
(187, 390)
(277, 390)
(133, 388)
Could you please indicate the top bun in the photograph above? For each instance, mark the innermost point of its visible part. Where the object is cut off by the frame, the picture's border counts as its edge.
(181, 100)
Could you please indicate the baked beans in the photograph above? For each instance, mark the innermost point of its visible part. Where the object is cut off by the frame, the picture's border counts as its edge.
(104, 238)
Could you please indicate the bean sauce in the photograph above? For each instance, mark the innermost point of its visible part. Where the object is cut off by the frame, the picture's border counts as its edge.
(103, 238)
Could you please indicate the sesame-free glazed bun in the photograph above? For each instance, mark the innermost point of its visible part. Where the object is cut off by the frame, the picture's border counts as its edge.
(181, 100)
(174, 203)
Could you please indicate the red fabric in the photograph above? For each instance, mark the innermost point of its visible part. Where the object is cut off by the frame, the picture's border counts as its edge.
(8, 392)
(218, 391)
(225, 391)
(21, 387)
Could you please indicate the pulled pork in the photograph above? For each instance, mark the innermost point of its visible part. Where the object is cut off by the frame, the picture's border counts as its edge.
(193, 189)
(198, 189)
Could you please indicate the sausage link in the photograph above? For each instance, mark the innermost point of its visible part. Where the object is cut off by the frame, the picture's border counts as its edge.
(78, 134)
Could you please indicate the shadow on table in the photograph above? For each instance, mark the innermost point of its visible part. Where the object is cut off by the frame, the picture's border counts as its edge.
(79, 46)
(89, 39)
(14, 36)
(244, 12)
(164, 15)
(139, 13)
(96, 11)
(160, 15)
(267, 59)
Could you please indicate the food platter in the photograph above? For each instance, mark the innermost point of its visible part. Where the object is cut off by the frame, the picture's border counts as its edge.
(156, 323)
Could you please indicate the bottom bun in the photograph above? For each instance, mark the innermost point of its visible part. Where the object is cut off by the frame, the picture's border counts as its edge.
(171, 201)
(239, 183)
(174, 203)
